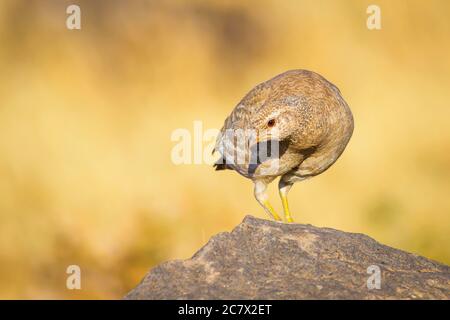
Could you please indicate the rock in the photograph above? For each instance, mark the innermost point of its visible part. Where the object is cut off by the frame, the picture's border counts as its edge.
(262, 259)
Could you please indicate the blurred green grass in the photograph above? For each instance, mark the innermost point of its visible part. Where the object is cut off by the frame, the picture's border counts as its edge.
(86, 118)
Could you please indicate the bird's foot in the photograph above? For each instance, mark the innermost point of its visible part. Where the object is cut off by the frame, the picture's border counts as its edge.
(272, 211)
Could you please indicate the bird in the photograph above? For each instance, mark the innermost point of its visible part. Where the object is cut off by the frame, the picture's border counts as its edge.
(293, 126)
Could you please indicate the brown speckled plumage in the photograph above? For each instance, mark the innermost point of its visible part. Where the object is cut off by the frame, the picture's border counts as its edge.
(313, 125)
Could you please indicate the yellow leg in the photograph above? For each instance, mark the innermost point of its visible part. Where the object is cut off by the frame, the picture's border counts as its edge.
(287, 213)
(284, 185)
(261, 196)
(271, 210)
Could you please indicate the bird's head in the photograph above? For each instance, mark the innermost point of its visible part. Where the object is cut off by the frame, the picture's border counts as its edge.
(274, 123)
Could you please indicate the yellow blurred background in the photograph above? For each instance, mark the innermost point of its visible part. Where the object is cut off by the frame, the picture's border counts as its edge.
(86, 118)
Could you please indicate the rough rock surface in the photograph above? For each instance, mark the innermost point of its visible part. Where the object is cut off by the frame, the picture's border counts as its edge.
(262, 259)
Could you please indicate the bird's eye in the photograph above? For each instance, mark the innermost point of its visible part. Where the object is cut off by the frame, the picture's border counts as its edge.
(271, 123)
